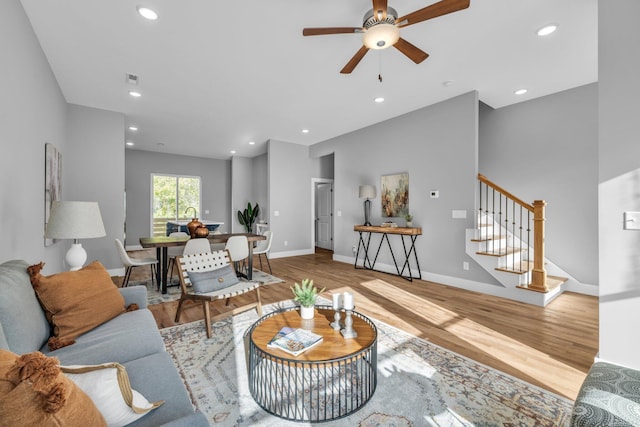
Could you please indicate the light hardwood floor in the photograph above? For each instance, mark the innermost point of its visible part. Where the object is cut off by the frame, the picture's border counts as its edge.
(550, 347)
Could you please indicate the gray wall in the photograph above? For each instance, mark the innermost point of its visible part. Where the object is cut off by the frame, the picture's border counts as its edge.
(32, 112)
(547, 148)
(290, 195)
(260, 165)
(323, 166)
(96, 154)
(215, 178)
(619, 175)
(241, 189)
(437, 146)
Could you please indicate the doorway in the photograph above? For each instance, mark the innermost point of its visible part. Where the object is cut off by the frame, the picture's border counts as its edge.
(323, 213)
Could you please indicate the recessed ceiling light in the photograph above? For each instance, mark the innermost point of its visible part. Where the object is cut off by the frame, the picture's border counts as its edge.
(252, 143)
(379, 100)
(233, 151)
(305, 130)
(520, 91)
(133, 128)
(145, 12)
(135, 94)
(130, 143)
(547, 29)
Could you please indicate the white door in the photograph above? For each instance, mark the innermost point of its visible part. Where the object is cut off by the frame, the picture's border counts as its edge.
(324, 215)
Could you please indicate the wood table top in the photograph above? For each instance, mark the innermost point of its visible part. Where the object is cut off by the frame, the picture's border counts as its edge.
(166, 241)
(333, 345)
(410, 231)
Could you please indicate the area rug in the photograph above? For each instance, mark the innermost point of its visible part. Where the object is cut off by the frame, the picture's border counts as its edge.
(173, 291)
(419, 383)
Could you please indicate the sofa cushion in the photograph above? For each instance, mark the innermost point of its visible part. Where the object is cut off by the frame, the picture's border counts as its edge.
(34, 391)
(156, 377)
(76, 301)
(24, 324)
(127, 337)
(109, 388)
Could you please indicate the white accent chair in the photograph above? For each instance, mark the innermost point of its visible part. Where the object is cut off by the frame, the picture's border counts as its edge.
(210, 261)
(238, 247)
(197, 246)
(174, 251)
(130, 263)
(263, 247)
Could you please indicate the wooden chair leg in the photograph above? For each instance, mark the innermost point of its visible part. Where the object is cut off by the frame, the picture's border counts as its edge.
(259, 300)
(207, 317)
(179, 310)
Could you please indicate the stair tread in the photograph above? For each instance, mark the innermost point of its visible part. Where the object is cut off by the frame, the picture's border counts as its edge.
(488, 239)
(518, 268)
(507, 251)
(552, 283)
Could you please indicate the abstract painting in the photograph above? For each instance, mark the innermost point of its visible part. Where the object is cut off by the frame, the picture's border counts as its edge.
(395, 195)
(52, 182)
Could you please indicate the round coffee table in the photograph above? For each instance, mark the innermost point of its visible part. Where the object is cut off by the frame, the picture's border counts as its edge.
(328, 381)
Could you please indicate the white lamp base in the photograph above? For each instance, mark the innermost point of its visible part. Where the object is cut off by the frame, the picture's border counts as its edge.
(76, 257)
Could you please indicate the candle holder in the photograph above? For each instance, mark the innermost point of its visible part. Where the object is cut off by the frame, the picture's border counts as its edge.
(348, 331)
(336, 320)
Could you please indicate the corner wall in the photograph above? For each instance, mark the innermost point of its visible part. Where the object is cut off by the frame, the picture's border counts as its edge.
(33, 111)
(547, 148)
(437, 145)
(619, 175)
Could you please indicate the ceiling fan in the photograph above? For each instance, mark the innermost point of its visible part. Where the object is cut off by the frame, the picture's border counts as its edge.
(381, 29)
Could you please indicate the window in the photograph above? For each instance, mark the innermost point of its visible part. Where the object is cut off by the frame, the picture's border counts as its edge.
(171, 195)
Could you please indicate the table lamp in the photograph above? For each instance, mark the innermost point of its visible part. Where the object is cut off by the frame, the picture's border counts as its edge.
(75, 220)
(367, 192)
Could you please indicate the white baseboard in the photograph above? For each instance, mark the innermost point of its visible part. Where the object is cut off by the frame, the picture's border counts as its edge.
(274, 255)
(116, 272)
(470, 285)
(583, 288)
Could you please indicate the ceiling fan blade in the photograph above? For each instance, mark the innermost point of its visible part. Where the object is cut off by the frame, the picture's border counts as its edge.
(437, 9)
(413, 53)
(330, 30)
(380, 9)
(355, 60)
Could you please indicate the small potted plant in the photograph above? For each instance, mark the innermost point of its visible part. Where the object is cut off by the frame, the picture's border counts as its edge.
(409, 218)
(306, 295)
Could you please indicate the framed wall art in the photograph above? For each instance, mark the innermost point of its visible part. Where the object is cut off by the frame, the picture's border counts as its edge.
(52, 182)
(394, 195)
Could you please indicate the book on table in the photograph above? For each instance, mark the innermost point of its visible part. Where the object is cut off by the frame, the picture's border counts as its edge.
(294, 341)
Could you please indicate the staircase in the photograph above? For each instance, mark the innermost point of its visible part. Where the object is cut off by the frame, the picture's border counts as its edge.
(508, 242)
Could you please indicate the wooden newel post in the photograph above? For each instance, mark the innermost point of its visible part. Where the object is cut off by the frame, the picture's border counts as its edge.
(539, 274)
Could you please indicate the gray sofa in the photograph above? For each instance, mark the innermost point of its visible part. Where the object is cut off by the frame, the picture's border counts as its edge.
(131, 339)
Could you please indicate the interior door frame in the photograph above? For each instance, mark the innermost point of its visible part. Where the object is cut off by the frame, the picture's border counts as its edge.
(315, 181)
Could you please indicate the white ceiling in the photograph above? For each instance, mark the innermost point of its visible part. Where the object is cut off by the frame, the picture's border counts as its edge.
(214, 75)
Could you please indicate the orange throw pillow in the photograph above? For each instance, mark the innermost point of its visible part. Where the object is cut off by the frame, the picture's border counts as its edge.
(34, 392)
(76, 301)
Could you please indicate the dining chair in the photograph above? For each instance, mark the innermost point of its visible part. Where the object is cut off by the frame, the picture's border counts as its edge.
(131, 263)
(238, 247)
(197, 246)
(173, 252)
(210, 276)
(263, 247)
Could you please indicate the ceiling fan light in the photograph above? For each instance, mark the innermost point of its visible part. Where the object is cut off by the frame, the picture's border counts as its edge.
(381, 36)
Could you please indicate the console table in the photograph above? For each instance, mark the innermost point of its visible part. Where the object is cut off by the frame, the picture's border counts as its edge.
(409, 247)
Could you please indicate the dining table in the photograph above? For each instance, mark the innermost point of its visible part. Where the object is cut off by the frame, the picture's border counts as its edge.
(163, 243)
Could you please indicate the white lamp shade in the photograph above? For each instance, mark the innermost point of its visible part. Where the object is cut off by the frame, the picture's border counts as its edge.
(367, 192)
(74, 220)
(381, 36)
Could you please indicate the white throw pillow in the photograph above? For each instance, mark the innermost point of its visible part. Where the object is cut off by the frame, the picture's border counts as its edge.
(109, 388)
